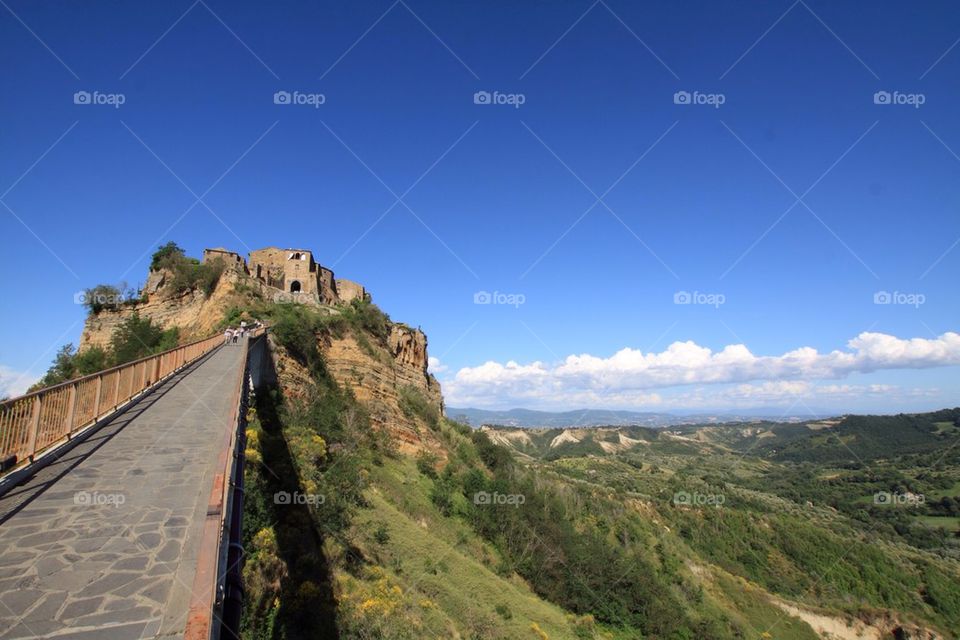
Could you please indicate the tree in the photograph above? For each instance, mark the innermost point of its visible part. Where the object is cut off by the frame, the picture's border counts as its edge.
(166, 254)
(137, 337)
(69, 364)
(102, 296)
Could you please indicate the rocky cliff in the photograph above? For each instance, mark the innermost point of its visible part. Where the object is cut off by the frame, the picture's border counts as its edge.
(194, 313)
(378, 370)
(379, 376)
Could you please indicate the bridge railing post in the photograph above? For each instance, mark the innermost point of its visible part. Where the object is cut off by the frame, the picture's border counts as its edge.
(116, 389)
(34, 427)
(71, 410)
(96, 398)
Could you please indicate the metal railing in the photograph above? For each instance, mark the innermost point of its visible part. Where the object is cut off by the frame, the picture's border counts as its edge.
(31, 423)
(217, 597)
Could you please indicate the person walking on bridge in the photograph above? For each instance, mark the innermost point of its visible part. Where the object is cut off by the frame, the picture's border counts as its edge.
(227, 336)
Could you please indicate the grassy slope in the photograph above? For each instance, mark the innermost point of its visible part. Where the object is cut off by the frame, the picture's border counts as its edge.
(439, 559)
(402, 569)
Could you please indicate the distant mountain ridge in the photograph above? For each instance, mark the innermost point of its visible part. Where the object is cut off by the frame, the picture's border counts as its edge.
(601, 417)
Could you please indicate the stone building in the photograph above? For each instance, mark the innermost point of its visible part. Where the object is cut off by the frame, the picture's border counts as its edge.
(348, 290)
(293, 271)
(232, 259)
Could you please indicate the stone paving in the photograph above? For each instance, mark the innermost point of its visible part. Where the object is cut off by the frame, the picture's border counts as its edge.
(103, 542)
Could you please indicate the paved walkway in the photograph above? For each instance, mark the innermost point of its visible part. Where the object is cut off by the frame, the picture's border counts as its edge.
(103, 543)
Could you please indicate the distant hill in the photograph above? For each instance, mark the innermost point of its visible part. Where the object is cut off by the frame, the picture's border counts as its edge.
(856, 438)
(600, 417)
(847, 439)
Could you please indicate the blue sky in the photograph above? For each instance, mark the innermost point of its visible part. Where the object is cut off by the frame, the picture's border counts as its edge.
(794, 202)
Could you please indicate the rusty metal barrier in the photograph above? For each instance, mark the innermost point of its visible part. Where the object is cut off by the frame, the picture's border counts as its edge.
(31, 423)
(217, 597)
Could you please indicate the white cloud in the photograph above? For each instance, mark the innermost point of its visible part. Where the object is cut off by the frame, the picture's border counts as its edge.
(628, 377)
(14, 383)
(435, 366)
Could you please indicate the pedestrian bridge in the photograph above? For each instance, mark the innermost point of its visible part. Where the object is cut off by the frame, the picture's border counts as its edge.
(119, 513)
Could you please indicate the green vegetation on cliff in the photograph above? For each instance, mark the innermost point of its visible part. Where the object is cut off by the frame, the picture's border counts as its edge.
(133, 339)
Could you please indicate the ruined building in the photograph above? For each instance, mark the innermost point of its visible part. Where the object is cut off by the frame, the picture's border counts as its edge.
(293, 271)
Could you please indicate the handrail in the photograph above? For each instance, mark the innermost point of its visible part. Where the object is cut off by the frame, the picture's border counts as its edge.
(217, 593)
(34, 422)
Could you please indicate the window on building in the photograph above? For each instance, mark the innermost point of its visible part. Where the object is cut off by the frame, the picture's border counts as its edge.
(295, 286)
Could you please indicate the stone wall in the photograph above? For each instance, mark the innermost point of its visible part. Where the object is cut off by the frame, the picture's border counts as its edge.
(231, 259)
(326, 286)
(348, 291)
(279, 270)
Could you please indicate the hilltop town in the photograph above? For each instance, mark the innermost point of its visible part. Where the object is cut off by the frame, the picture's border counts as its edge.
(291, 271)
(172, 299)
(197, 298)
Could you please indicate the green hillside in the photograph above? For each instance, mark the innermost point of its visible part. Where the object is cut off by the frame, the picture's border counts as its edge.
(621, 532)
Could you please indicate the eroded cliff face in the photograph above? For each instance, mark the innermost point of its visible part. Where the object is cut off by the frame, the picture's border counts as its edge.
(377, 376)
(376, 372)
(194, 313)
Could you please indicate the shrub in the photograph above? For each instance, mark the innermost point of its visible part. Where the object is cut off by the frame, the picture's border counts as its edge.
(427, 464)
(209, 275)
(102, 296)
(166, 255)
(364, 316)
(189, 274)
(414, 404)
(442, 493)
(69, 364)
(294, 327)
(137, 338)
(381, 534)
